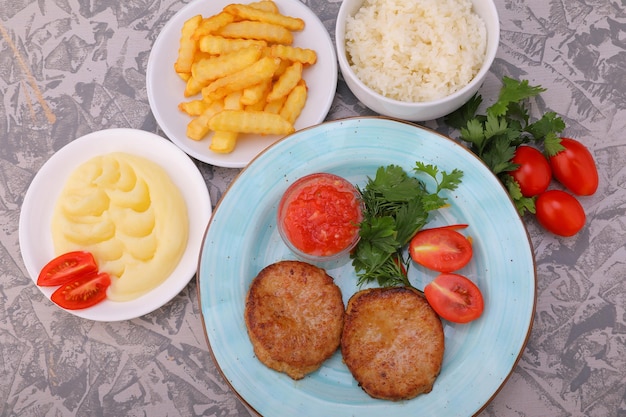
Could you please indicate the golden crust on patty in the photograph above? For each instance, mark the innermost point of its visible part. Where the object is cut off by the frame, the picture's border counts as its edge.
(294, 314)
(392, 342)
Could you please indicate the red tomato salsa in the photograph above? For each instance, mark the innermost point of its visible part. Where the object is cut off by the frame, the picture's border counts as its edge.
(319, 215)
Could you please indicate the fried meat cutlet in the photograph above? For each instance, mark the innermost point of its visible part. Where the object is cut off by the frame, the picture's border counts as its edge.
(294, 314)
(392, 342)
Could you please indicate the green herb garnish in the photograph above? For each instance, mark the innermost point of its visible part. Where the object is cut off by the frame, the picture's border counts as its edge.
(396, 208)
(495, 136)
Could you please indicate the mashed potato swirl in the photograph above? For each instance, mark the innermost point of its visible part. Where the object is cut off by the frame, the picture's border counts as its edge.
(127, 211)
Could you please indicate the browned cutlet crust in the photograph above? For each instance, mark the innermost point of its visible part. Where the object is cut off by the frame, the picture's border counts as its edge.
(294, 314)
(392, 342)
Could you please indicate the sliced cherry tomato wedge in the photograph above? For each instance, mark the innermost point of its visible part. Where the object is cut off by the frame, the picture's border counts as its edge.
(63, 268)
(83, 292)
(457, 226)
(455, 298)
(441, 249)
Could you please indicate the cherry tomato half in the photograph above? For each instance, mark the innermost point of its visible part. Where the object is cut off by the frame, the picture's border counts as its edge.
(71, 265)
(455, 298)
(83, 292)
(441, 249)
(575, 168)
(533, 174)
(560, 212)
(451, 226)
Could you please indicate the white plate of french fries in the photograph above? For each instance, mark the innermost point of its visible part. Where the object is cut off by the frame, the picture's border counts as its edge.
(226, 80)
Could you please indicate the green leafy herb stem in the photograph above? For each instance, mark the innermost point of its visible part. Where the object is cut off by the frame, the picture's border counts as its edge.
(396, 208)
(495, 136)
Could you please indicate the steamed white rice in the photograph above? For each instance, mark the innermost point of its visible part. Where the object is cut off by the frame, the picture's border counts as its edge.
(416, 50)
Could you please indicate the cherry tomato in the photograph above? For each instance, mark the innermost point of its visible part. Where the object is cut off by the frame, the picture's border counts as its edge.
(83, 292)
(560, 212)
(575, 168)
(533, 174)
(451, 226)
(71, 265)
(441, 249)
(455, 298)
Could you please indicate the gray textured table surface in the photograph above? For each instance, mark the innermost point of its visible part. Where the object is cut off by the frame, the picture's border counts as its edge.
(69, 67)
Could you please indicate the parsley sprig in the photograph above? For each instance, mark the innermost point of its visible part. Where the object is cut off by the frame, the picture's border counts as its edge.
(396, 208)
(506, 124)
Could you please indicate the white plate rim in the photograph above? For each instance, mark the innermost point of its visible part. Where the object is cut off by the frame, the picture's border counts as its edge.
(165, 88)
(35, 238)
(394, 409)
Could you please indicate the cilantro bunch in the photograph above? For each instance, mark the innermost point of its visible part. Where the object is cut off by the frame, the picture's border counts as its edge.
(495, 136)
(396, 208)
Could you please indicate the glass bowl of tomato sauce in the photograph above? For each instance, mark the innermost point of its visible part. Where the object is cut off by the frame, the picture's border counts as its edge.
(319, 217)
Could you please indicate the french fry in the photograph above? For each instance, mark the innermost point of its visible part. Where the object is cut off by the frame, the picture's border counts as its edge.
(294, 103)
(187, 47)
(184, 76)
(261, 70)
(219, 66)
(286, 82)
(251, 13)
(260, 104)
(267, 5)
(282, 67)
(275, 106)
(224, 141)
(244, 121)
(291, 53)
(194, 107)
(212, 24)
(233, 101)
(192, 87)
(200, 55)
(256, 93)
(218, 45)
(198, 127)
(248, 29)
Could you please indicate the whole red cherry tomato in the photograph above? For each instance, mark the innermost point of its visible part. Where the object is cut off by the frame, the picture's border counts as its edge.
(560, 212)
(533, 174)
(575, 168)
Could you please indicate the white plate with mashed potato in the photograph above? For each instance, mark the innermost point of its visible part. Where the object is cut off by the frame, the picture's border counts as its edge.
(166, 89)
(147, 209)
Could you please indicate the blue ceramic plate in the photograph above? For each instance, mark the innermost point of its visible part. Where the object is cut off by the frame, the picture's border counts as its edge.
(241, 239)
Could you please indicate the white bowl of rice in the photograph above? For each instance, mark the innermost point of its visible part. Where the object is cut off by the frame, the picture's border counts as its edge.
(416, 60)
